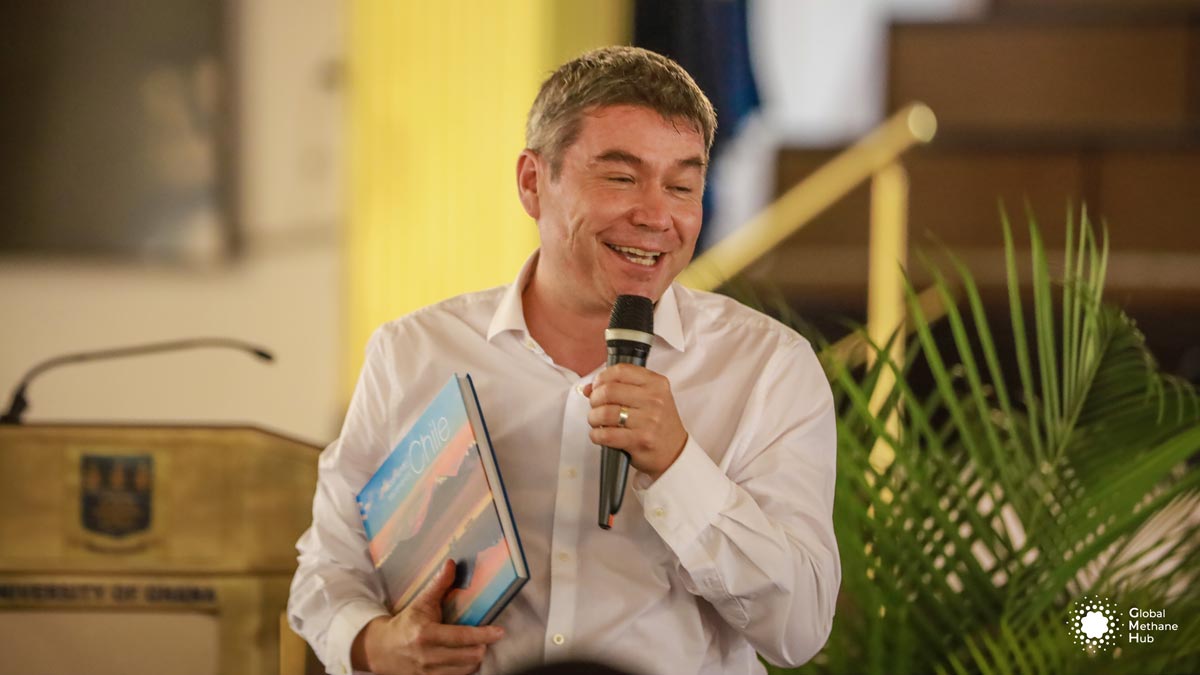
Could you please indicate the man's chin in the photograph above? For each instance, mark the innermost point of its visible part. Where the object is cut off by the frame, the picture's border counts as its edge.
(652, 291)
(651, 285)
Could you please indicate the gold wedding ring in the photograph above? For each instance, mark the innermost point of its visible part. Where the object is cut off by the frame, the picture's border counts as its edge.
(623, 417)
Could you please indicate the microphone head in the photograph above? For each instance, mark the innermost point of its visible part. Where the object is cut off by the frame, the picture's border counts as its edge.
(632, 312)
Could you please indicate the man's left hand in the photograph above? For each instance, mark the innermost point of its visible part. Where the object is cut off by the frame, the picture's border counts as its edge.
(653, 434)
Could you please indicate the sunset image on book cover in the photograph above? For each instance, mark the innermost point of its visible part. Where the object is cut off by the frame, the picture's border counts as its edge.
(438, 496)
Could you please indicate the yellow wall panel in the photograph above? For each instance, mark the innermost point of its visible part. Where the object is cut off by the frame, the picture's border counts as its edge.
(438, 97)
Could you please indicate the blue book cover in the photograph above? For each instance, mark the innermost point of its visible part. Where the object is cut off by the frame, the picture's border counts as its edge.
(439, 496)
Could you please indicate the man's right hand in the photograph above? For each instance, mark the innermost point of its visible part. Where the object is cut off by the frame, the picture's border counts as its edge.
(416, 640)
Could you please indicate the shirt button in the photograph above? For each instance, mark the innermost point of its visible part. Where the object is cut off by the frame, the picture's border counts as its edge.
(660, 512)
(571, 473)
(564, 556)
(558, 638)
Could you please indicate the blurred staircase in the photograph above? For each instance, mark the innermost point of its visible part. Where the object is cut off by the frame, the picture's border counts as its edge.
(1045, 103)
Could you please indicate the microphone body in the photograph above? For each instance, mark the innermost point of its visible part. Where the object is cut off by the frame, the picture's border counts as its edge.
(630, 333)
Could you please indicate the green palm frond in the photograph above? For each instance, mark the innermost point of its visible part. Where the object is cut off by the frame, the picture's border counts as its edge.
(1015, 492)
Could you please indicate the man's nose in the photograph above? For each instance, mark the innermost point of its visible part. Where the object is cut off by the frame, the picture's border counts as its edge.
(653, 210)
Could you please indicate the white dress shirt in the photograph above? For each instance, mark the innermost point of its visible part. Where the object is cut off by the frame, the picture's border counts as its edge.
(731, 551)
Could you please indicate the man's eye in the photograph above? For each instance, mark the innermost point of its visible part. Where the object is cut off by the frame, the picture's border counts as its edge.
(621, 179)
(682, 189)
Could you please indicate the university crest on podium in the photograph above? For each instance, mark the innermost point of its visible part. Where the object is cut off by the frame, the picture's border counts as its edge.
(116, 494)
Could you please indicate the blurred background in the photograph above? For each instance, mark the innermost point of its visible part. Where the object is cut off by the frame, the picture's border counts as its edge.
(295, 173)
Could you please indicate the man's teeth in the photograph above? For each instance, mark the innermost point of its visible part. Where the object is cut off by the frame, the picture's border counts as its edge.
(637, 255)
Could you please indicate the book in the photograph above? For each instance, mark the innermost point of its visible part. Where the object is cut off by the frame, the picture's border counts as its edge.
(439, 496)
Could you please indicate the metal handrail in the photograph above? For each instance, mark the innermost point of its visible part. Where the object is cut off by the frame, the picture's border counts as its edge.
(796, 208)
(874, 158)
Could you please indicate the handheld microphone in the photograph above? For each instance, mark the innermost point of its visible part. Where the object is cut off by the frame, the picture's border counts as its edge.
(629, 335)
(19, 402)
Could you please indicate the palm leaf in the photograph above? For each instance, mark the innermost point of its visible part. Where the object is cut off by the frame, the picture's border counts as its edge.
(1003, 506)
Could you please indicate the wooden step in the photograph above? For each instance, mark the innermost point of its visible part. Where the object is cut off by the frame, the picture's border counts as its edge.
(1149, 198)
(1093, 7)
(1051, 75)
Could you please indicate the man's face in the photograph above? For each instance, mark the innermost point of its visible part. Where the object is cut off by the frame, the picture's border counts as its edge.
(624, 213)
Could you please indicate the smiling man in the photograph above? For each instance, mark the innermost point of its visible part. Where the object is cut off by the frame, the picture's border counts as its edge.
(727, 549)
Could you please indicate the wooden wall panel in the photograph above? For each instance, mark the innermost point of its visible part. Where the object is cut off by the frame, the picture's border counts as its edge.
(955, 194)
(1148, 199)
(1013, 77)
(1099, 5)
(1151, 199)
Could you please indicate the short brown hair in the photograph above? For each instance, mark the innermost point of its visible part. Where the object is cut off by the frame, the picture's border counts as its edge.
(613, 76)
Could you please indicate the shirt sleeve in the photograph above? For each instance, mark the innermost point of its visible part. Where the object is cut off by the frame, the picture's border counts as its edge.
(754, 533)
(335, 591)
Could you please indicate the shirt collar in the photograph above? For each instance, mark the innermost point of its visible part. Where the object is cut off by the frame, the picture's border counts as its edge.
(510, 313)
(667, 324)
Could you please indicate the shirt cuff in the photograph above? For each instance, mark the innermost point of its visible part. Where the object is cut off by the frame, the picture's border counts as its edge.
(686, 498)
(346, 625)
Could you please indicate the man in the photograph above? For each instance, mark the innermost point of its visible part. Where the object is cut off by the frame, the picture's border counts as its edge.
(727, 547)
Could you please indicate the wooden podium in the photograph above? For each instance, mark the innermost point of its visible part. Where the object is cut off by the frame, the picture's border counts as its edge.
(165, 549)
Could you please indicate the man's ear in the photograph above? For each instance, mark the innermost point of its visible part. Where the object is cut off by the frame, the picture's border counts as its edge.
(529, 169)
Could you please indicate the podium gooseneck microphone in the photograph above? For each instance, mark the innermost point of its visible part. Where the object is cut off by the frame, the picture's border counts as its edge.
(630, 333)
(20, 403)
